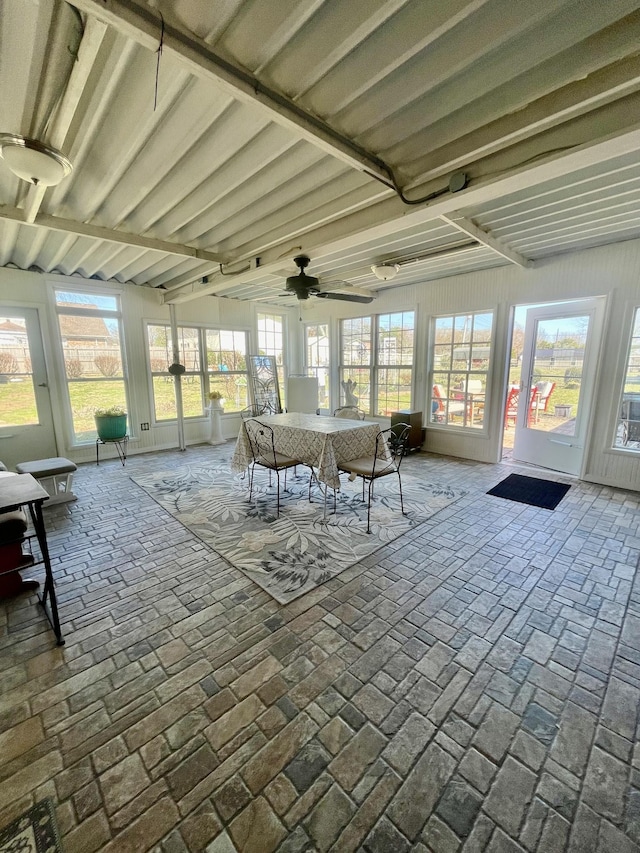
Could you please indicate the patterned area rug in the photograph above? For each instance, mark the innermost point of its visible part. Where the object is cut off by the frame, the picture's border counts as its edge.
(291, 555)
(34, 832)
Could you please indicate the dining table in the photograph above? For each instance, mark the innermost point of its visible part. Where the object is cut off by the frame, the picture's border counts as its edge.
(319, 441)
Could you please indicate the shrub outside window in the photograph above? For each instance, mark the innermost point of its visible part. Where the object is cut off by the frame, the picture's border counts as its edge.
(461, 357)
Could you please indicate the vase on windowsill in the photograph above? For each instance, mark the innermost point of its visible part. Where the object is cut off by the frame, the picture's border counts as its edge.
(215, 410)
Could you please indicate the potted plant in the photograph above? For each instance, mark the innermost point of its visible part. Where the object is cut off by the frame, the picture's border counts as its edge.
(216, 399)
(111, 423)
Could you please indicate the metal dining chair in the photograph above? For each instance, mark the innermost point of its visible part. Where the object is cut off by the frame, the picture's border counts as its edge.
(264, 454)
(391, 447)
(352, 413)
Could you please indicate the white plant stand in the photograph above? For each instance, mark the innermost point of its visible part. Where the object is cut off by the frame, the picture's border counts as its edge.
(215, 410)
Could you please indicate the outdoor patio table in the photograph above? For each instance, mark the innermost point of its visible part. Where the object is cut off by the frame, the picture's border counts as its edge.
(319, 441)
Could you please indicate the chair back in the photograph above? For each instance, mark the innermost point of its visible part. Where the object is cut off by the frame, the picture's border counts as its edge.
(391, 446)
(472, 386)
(437, 404)
(397, 438)
(545, 390)
(263, 448)
(352, 413)
(252, 411)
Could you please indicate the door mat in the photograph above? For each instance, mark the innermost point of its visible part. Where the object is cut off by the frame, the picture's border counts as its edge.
(33, 832)
(546, 494)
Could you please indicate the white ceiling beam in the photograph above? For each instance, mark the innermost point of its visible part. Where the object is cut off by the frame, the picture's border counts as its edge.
(376, 222)
(144, 27)
(97, 232)
(90, 44)
(466, 226)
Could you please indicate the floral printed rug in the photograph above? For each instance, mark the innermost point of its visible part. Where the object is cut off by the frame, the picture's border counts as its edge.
(291, 555)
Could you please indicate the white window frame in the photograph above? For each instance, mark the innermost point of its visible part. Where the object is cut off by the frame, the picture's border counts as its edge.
(118, 315)
(203, 373)
(314, 370)
(265, 348)
(466, 400)
(633, 340)
(374, 367)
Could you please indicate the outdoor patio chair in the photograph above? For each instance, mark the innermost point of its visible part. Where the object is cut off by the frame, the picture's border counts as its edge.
(541, 402)
(511, 409)
(391, 447)
(444, 406)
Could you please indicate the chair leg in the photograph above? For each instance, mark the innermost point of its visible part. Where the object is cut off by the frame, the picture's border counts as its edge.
(368, 505)
(278, 499)
(401, 502)
(251, 472)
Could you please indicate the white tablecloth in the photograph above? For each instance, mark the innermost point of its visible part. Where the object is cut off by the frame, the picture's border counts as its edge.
(321, 442)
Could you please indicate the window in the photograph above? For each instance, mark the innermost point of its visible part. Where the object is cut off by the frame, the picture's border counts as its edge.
(461, 352)
(628, 425)
(214, 359)
(91, 334)
(377, 355)
(316, 359)
(271, 342)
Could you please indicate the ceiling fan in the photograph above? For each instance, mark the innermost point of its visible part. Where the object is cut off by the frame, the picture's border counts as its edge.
(304, 286)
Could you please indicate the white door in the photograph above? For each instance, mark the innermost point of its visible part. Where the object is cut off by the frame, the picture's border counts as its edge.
(559, 360)
(26, 422)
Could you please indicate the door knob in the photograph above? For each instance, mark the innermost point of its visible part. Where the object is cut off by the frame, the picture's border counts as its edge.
(42, 385)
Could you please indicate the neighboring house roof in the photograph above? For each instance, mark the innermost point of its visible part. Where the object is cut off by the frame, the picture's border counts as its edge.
(14, 328)
(83, 328)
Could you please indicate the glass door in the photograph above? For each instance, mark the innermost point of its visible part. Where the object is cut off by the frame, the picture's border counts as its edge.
(551, 405)
(26, 421)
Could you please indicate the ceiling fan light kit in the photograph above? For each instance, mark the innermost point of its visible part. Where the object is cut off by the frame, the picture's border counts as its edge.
(33, 161)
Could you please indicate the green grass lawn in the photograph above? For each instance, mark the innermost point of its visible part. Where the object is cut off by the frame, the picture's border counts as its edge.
(17, 404)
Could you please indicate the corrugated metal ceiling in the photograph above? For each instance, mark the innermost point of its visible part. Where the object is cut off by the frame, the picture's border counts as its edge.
(271, 119)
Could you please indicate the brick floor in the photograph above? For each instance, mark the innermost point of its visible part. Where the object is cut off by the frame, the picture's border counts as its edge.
(472, 686)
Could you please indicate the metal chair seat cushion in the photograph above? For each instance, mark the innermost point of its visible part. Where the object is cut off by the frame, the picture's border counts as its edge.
(275, 461)
(369, 466)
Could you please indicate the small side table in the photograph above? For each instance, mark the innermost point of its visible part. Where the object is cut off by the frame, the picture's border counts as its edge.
(121, 446)
(414, 419)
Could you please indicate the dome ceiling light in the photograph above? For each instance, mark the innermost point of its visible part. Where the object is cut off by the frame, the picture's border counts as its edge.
(385, 272)
(390, 269)
(34, 161)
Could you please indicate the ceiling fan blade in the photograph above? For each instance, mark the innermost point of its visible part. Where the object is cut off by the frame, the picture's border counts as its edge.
(343, 286)
(345, 297)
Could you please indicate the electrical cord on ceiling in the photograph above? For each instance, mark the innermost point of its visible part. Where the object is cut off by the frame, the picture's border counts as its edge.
(159, 52)
(238, 272)
(401, 195)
